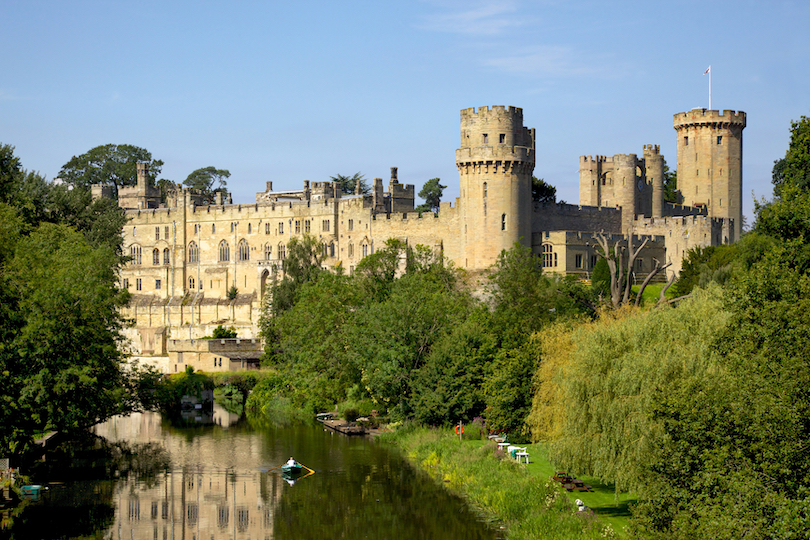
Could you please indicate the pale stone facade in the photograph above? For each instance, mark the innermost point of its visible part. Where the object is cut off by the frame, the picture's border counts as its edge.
(196, 266)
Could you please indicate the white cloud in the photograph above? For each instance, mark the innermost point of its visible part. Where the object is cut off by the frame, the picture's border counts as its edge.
(557, 61)
(486, 17)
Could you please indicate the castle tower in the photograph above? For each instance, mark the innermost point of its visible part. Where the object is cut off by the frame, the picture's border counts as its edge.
(710, 162)
(626, 182)
(654, 169)
(495, 163)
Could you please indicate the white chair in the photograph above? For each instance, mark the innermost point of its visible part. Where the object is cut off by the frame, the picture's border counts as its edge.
(521, 453)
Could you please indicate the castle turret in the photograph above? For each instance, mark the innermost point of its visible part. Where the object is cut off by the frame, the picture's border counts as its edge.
(626, 182)
(495, 163)
(710, 162)
(654, 168)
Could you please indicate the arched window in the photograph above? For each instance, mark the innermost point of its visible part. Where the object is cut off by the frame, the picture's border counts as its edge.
(324, 248)
(268, 251)
(193, 252)
(224, 251)
(364, 249)
(351, 250)
(156, 256)
(191, 283)
(135, 253)
(166, 256)
(332, 249)
(213, 228)
(244, 250)
(282, 251)
(548, 257)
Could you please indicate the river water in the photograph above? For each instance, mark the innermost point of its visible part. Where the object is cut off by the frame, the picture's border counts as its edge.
(221, 484)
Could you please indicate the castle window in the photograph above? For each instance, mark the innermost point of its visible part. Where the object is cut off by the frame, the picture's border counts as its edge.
(166, 256)
(134, 231)
(578, 261)
(555, 260)
(233, 226)
(503, 222)
(138, 284)
(280, 227)
(267, 228)
(244, 250)
(191, 283)
(639, 264)
(719, 139)
(213, 228)
(351, 224)
(485, 190)
(502, 138)
(365, 250)
(686, 141)
(156, 256)
(193, 253)
(196, 228)
(721, 202)
(282, 251)
(126, 283)
(297, 226)
(323, 248)
(331, 249)
(546, 252)
(593, 261)
(224, 251)
(351, 250)
(306, 225)
(268, 252)
(325, 225)
(157, 233)
(250, 228)
(157, 284)
(135, 253)
(166, 232)
(697, 172)
(486, 138)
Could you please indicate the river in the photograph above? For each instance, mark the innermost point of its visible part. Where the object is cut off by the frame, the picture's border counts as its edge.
(221, 483)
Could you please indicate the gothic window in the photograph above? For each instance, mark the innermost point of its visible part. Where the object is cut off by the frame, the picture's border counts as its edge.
(224, 251)
(267, 228)
(157, 233)
(323, 247)
(156, 256)
(306, 225)
(250, 228)
(193, 252)
(166, 232)
(282, 251)
(233, 226)
(351, 250)
(297, 226)
(138, 284)
(135, 253)
(191, 283)
(503, 222)
(280, 227)
(268, 252)
(126, 283)
(365, 250)
(213, 228)
(547, 255)
(331, 249)
(325, 225)
(166, 256)
(244, 250)
(134, 231)
(351, 224)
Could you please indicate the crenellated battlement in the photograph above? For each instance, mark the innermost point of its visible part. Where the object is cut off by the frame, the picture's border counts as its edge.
(652, 150)
(494, 110)
(706, 117)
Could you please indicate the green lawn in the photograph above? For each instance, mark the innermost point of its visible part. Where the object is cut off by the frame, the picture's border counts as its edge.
(602, 500)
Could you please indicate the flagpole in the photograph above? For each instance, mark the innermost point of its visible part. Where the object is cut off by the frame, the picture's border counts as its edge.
(710, 87)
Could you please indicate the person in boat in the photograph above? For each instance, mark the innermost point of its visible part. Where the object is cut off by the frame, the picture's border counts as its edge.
(292, 462)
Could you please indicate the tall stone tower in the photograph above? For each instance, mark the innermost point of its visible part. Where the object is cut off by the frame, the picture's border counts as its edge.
(710, 162)
(495, 163)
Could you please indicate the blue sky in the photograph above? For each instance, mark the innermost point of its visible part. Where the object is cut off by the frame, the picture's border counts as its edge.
(288, 91)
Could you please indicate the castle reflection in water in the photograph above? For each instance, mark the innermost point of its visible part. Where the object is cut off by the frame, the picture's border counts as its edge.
(216, 487)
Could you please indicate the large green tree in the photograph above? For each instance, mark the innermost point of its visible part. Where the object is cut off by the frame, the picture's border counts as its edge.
(794, 168)
(209, 181)
(431, 192)
(348, 184)
(542, 191)
(110, 164)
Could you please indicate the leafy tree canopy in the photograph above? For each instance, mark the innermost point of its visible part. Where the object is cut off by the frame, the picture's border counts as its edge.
(431, 192)
(671, 194)
(348, 184)
(794, 168)
(542, 191)
(205, 179)
(110, 164)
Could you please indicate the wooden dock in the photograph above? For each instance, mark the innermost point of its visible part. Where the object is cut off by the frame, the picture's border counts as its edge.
(344, 427)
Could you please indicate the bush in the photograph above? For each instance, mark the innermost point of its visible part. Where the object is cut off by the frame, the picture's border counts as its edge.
(351, 414)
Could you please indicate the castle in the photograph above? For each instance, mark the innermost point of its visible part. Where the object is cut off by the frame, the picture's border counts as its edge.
(187, 258)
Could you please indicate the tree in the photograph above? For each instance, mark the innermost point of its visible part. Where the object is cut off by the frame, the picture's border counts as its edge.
(110, 164)
(431, 192)
(671, 194)
(302, 264)
(794, 168)
(543, 192)
(10, 171)
(204, 180)
(348, 184)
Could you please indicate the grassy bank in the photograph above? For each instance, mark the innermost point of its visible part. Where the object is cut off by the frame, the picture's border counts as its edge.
(524, 502)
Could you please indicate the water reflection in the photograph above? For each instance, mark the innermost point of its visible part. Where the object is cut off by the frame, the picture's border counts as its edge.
(221, 484)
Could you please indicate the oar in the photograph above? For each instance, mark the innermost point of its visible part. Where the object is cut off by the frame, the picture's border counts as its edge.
(307, 468)
(274, 468)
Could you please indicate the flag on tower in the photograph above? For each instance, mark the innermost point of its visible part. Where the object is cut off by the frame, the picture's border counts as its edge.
(708, 69)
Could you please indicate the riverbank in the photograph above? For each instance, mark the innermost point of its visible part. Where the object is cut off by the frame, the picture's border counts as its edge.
(518, 498)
